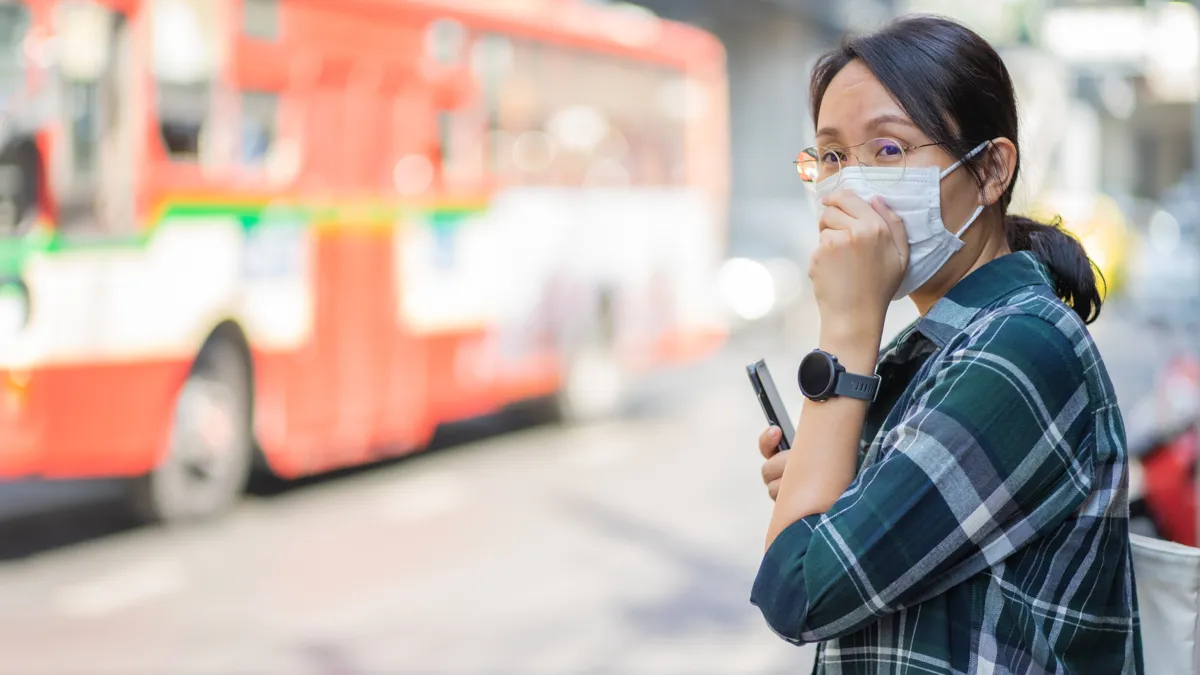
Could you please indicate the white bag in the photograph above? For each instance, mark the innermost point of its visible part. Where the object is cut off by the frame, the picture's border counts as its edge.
(1168, 590)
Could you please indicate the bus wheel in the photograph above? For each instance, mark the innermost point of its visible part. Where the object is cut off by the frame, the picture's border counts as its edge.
(593, 385)
(210, 452)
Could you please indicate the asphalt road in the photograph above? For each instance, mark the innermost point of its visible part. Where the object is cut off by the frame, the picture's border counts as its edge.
(625, 547)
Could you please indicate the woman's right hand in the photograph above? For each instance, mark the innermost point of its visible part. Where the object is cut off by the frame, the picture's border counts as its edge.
(772, 469)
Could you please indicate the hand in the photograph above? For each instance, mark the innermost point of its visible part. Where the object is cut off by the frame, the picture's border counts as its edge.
(772, 469)
(859, 263)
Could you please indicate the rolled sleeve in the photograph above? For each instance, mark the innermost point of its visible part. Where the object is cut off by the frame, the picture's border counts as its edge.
(990, 453)
(782, 601)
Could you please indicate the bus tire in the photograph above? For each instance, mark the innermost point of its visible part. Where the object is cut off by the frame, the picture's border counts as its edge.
(210, 449)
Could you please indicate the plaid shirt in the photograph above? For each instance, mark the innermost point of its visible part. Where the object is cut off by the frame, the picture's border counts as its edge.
(987, 530)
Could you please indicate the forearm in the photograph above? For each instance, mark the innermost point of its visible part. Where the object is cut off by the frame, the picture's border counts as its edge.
(824, 458)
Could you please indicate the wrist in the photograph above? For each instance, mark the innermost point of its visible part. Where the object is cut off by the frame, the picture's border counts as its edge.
(856, 346)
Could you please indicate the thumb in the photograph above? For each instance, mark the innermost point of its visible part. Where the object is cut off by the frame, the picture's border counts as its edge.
(895, 224)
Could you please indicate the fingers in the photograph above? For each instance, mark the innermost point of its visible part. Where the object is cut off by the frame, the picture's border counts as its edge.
(850, 214)
(834, 218)
(773, 490)
(831, 237)
(849, 202)
(768, 442)
(772, 469)
(894, 223)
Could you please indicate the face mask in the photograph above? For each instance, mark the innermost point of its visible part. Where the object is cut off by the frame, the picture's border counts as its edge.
(915, 195)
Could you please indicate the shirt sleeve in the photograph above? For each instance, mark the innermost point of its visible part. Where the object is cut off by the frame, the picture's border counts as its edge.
(991, 454)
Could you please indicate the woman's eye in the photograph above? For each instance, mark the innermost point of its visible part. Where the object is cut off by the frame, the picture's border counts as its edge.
(831, 157)
(889, 151)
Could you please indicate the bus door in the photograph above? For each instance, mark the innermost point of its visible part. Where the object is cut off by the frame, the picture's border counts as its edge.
(94, 163)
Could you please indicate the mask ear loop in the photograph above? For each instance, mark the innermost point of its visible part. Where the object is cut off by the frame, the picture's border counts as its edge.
(950, 169)
(970, 221)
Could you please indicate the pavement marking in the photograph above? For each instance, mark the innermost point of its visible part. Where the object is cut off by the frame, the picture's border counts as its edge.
(423, 497)
(134, 584)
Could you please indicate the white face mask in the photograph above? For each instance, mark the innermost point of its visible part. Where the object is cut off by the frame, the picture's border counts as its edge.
(917, 199)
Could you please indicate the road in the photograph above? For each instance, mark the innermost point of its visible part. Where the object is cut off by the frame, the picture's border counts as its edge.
(625, 547)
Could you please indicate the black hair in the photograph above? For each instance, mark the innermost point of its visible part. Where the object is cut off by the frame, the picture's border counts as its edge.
(956, 89)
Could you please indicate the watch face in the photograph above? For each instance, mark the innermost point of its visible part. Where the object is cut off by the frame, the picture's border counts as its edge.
(816, 374)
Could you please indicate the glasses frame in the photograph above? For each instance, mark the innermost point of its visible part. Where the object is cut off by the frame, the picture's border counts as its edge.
(815, 152)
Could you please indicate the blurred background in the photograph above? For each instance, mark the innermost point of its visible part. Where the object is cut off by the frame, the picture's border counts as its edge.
(399, 336)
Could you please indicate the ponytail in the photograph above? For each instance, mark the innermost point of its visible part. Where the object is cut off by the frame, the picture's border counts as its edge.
(1075, 276)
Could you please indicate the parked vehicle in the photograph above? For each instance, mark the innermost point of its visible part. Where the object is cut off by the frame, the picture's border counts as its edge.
(1163, 432)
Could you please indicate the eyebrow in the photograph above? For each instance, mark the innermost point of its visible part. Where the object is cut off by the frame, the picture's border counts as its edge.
(888, 118)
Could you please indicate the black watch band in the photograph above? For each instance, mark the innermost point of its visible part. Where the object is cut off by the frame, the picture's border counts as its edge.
(821, 377)
(863, 387)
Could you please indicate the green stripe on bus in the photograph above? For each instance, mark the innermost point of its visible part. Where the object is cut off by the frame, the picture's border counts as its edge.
(16, 251)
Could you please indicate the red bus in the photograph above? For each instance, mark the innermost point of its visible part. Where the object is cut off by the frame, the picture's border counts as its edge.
(304, 233)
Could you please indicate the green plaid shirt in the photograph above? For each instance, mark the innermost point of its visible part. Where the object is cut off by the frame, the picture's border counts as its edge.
(987, 530)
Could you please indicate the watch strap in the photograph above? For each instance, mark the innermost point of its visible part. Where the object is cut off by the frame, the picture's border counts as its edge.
(862, 387)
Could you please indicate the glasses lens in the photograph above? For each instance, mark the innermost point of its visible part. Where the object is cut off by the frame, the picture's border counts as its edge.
(807, 166)
(815, 165)
(884, 153)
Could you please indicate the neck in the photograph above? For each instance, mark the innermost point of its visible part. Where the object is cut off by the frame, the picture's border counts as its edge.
(991, 246)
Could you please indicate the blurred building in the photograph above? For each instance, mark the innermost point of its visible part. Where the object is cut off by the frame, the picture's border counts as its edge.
(771, 46)
(1108, 90)
(1131, 79)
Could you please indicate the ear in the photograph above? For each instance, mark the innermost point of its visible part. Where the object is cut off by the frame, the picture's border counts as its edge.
(999, 164)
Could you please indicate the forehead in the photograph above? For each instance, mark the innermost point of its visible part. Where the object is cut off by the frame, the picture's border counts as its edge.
(854, 98)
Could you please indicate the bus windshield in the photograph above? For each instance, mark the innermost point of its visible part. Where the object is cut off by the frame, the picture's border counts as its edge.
(14, 23)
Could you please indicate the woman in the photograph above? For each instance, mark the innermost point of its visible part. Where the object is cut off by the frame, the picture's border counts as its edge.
(966, 510)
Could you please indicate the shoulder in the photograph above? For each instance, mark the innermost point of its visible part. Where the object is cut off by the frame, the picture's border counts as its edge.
(1029, 319)
(1031, 334)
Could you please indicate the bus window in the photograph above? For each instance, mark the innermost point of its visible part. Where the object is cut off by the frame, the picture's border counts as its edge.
(491, 64)
(260, 117)
(444, 41)
(20, 161)
(183, 113)
(524, 151)
(95, 163)
(575, 118)
(185, 58)
(462, 139)
(260, 19)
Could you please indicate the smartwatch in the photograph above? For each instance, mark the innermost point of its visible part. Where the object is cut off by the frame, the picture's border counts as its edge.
(822, 377)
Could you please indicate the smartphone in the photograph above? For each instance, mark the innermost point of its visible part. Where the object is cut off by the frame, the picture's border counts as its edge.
(772, 404)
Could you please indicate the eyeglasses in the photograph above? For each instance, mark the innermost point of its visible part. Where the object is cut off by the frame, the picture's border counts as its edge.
(815, 164)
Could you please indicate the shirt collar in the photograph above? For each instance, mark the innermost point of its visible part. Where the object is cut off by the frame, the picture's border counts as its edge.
(981, 289)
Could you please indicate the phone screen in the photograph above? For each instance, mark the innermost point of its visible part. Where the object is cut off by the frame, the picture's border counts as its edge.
(772, 404)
